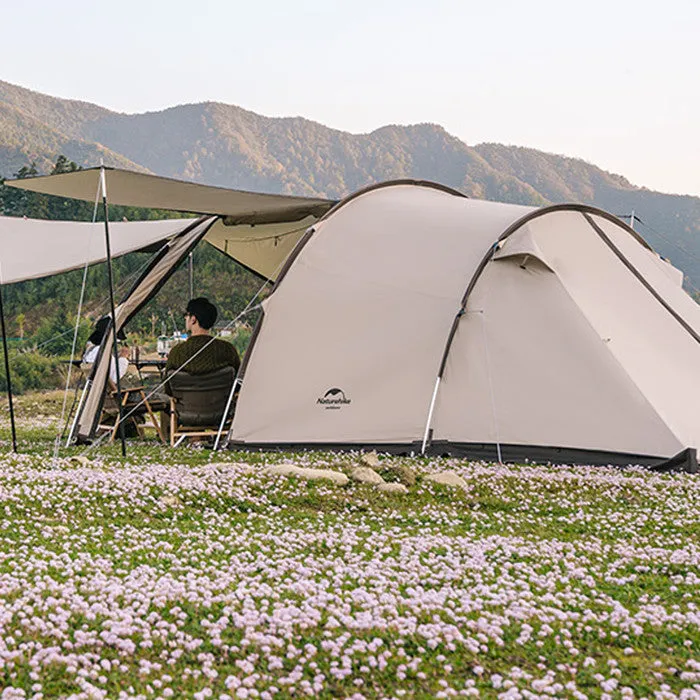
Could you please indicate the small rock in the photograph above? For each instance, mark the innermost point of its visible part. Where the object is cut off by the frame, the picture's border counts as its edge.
(309, 474)
(392, 487)
(404, 474)
(170, 500)
(370, 459)
(81, 460)
(447, 479)
(225, 466)
(365, 475)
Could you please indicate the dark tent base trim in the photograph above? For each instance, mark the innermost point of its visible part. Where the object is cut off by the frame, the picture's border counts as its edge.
(685, 461)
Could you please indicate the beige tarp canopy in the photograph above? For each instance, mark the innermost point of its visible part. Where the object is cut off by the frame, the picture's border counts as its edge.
(258, 230)
(30, 248)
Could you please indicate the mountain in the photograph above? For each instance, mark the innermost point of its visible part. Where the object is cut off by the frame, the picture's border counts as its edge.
(225, 145)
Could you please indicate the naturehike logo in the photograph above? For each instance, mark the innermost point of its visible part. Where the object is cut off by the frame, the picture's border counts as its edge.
(333, 399)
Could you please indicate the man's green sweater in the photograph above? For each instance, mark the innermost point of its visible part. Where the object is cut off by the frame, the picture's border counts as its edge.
(216, 355)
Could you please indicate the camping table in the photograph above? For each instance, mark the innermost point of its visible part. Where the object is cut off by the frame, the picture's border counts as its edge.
(158, 365)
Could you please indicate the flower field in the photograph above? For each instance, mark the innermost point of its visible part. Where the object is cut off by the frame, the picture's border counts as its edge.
(191, 574)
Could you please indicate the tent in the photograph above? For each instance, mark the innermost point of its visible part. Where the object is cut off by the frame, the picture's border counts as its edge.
(414, 318)
(410, 318)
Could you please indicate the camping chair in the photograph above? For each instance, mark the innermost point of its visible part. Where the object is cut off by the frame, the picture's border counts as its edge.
(198, 403)
(135, 402)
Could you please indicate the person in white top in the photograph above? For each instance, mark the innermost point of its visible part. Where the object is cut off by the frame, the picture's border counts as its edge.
(92, 349)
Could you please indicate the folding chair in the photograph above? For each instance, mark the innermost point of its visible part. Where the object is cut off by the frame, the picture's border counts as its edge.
(135, 402)
(199, 403)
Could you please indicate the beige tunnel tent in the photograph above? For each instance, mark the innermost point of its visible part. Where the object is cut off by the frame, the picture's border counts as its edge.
(410, 318)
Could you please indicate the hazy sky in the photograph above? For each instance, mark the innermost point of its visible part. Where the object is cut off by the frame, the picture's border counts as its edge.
(613, 82)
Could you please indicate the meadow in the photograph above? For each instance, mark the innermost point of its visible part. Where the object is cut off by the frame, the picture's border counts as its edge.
(188, 573)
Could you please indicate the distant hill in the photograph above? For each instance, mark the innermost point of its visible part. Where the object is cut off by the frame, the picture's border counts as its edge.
(225, 145)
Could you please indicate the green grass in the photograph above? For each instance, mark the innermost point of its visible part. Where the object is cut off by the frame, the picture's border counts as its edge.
(603, 565)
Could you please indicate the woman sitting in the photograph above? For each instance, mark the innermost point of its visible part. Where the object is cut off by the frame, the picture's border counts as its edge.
(92, 348)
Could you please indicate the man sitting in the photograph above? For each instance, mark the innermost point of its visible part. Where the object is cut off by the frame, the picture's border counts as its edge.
(201, 353)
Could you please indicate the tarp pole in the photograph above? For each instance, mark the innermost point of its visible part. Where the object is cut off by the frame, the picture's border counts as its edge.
(115, 347)
(7, 374)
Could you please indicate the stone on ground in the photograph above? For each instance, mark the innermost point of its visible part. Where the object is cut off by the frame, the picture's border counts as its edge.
(448, 478)
(231, 465)
(365, 475)
(404, 474)
(81, 460)
(392, 487)
(170, 500)
(309, 474)
(370, 459)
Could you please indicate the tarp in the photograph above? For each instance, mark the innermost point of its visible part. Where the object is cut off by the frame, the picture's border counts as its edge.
(30, 248)
(151, 191)
(257, 230)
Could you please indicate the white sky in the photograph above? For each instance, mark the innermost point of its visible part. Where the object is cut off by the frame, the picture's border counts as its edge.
(614, 82)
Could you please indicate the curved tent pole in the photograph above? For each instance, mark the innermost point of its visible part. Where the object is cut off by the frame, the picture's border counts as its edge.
(586, 211)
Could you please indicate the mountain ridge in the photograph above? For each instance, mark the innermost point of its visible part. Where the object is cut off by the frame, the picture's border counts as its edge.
(226, 145)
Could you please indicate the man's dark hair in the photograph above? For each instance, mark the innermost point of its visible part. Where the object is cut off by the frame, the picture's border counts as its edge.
(203, 310)
(101, 328)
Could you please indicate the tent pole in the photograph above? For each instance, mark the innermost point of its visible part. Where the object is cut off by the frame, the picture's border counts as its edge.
(223, 418)
(191, 267)
(115, 348)
(430, 415)
(7, 374)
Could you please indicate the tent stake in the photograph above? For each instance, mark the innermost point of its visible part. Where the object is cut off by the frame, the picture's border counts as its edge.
(7, 374)
(115, 347)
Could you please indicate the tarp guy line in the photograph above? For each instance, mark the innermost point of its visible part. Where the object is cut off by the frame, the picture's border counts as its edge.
(75, 336)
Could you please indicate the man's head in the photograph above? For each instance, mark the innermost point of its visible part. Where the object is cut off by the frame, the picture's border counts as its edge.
(201, 310)
(100, 329)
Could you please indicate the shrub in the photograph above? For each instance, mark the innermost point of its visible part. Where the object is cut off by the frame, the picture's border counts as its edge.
(54, 336)
(30, 371)
(240, 339)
